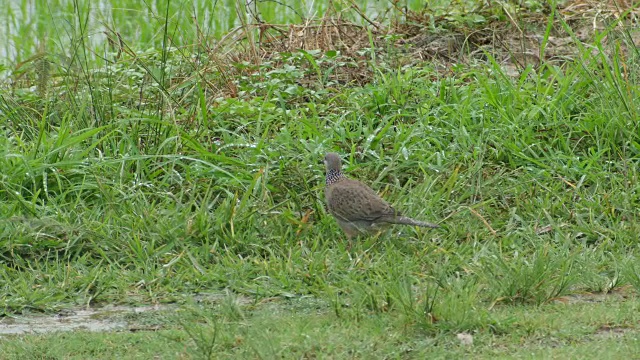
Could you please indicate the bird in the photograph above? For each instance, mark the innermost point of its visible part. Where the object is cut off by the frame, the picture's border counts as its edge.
(357, 208)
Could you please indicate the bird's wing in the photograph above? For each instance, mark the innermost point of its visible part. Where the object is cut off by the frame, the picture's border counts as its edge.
(354, 201)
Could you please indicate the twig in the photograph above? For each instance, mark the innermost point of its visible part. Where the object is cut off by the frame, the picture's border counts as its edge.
(486, 223)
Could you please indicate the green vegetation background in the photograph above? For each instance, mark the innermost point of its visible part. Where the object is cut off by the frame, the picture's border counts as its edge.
(142, 176)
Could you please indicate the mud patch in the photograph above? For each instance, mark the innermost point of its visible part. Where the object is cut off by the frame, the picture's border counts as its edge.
(108, 318)
(618, 294)
(111, 317)
(611, 331)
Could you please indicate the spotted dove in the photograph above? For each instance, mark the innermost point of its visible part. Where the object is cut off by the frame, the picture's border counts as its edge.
(356, 207)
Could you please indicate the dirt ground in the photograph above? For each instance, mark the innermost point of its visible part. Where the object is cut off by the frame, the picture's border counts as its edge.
(514, 37)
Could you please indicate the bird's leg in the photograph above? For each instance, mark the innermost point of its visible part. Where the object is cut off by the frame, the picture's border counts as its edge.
(349, 245)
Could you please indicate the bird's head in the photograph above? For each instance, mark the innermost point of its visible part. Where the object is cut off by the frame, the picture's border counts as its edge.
(332, 162)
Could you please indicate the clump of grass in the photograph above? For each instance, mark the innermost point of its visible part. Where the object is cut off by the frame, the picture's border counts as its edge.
(522, 278)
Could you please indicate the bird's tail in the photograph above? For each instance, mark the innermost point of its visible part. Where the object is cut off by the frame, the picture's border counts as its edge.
(409, 221)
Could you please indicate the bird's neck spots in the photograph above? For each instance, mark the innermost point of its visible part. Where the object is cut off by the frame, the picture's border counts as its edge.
(333, 176)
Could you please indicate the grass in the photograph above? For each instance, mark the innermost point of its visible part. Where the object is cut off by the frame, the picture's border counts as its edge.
(133, 181)
(305, 327)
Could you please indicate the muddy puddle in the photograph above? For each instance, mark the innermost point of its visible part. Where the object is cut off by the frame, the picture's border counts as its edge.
(108, 318)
